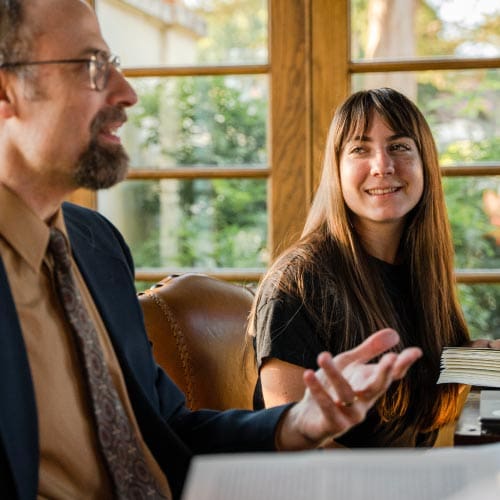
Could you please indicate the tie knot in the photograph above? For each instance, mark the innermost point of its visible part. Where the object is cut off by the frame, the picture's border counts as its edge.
(58, 248)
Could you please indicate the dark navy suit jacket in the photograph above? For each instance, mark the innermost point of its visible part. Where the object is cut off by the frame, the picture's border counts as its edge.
(171, 431)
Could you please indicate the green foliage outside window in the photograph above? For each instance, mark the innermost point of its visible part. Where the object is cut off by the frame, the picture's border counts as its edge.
(219, 121)
(473, 235)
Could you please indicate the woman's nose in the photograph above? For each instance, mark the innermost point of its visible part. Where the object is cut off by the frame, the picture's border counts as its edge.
(382, 164)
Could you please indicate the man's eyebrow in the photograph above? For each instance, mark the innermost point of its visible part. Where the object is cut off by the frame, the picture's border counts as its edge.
(92, 50)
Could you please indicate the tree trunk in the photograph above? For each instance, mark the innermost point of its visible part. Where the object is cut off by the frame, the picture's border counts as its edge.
(391, 34)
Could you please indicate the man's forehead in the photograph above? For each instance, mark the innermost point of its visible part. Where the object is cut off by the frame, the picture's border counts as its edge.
(55, 6)
(71, 24)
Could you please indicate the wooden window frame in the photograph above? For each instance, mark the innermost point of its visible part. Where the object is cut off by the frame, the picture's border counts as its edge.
(310, 74)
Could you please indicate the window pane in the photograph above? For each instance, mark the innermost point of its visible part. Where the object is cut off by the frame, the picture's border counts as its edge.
(462, 108)
(474, 211)
(198, 121)
(200, 223)
(185, 32)
(411, 28)
(481, 306)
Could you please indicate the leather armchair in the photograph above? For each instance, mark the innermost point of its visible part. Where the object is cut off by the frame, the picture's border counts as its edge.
(197, 326)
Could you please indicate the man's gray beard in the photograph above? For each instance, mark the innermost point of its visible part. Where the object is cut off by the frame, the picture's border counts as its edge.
(99, 166)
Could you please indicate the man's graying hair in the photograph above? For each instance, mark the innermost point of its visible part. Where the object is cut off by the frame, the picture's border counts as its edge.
(12, 45)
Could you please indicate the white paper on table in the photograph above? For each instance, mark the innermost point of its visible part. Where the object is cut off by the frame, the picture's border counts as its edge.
(385, 474)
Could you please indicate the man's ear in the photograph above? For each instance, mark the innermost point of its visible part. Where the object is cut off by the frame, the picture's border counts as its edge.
(7, 108)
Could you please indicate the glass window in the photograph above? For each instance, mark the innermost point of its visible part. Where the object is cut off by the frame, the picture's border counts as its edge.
(185, 32)
(191, 223)
(217, 120)
(410, 28)
(474, 211)
(481, 306)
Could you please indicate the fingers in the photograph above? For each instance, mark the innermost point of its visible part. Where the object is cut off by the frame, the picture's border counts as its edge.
(335, 399)
(346, 387)
(485, 343)
(404, 361)
(343, 397)
(375, 345)
(479, 343)
(372, 382)
(494, 344)
(341, 388)
(380, 379)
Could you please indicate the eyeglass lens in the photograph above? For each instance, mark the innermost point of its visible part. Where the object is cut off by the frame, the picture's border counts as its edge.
(100, 67)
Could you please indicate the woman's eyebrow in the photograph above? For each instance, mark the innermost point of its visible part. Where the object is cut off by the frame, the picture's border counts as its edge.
(366, 138)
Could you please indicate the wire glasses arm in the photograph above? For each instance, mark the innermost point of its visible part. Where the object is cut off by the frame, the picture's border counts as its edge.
(35, 63)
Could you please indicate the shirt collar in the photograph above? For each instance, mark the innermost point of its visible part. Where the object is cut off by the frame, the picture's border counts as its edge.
(23, 230)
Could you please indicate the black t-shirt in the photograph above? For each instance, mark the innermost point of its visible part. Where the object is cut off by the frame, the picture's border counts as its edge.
(286, 331)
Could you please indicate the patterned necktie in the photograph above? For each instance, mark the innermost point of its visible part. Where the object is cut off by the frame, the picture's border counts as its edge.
(123, 456)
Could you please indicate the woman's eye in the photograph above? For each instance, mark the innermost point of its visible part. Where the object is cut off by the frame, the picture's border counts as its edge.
(357, 150)
(400, 147)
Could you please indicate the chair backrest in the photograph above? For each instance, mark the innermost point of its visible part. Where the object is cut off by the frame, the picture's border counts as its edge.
(197, 325)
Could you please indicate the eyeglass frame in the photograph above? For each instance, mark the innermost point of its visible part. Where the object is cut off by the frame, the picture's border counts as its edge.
(96, 68)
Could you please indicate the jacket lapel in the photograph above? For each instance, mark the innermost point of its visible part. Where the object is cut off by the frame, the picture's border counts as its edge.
(110, 282)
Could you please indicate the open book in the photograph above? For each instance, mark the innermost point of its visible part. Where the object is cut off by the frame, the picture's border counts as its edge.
(468, 473)
(470, 365)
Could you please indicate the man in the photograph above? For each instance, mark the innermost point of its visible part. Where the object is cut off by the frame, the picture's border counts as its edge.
(71, 328)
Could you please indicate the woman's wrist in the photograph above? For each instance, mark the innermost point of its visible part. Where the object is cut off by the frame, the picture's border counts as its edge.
(288, 436)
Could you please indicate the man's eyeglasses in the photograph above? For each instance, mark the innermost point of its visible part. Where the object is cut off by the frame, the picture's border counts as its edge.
(99, 65)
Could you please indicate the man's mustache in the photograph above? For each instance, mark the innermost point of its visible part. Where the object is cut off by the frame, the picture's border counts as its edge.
(112, 115)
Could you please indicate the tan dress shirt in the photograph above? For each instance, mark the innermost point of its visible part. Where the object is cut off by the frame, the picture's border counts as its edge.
(70, 461)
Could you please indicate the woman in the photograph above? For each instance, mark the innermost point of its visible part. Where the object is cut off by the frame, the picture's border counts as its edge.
(376, 251)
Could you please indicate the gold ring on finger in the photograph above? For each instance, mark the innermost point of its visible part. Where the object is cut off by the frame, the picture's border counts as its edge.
(348, 404)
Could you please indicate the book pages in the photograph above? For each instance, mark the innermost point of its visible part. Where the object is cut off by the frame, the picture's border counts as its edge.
(468, 365)
(385, 474)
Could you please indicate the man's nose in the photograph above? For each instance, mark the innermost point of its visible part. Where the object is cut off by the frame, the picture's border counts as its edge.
(120, 92)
